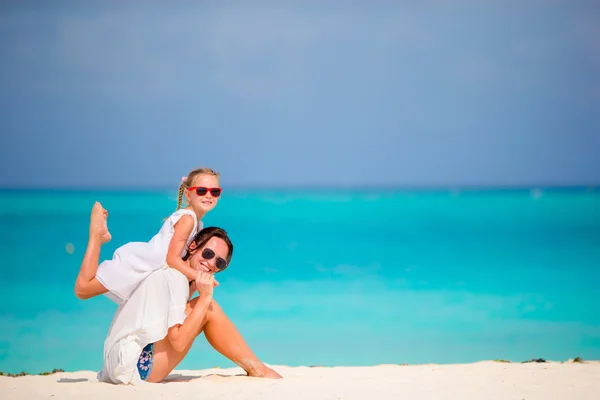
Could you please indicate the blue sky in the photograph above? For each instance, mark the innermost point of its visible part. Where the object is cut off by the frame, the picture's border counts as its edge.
(272, 94)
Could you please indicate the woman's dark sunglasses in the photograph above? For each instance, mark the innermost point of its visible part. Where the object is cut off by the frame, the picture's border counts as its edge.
(201, 190)
(221, 263)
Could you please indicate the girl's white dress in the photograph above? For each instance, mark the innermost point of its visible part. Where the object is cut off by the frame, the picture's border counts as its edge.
(133, 262)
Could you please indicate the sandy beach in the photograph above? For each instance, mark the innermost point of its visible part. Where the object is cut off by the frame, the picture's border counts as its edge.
(482, 380)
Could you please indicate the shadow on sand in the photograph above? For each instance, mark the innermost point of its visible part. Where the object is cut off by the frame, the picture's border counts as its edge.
(187, 378)
(72, 380)
(169, 379)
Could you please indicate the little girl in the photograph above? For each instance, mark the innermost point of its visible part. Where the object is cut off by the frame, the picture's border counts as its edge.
(134, 261)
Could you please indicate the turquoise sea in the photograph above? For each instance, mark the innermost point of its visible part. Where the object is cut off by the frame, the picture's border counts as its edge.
(345, 277)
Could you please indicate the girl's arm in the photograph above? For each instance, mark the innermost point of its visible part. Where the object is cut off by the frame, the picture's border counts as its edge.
(183, 228)
(192, 289)
(87, 289)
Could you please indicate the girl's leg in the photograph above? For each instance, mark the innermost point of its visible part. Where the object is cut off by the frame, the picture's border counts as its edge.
(222, 335)
(86, 284)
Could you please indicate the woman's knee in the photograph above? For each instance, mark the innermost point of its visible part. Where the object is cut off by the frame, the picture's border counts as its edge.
(212, 308)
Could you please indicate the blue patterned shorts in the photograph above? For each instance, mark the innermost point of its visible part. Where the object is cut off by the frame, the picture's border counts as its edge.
(144, 363)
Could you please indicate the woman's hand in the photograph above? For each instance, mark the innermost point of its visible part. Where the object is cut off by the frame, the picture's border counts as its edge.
(205, 283)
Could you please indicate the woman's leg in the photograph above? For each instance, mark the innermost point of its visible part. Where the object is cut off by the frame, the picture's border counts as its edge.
(222, 335)
(86, 284)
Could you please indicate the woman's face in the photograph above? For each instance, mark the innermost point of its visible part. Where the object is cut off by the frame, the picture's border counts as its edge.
(201, 259)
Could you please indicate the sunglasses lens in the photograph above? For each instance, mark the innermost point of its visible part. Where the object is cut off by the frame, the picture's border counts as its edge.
(221, 263)
(216, 192)
(208, 254)
(201, 191)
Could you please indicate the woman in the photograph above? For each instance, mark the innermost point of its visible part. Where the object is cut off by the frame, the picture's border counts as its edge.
(154, 329)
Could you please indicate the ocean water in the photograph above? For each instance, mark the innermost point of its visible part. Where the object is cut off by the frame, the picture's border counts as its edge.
(328, 278)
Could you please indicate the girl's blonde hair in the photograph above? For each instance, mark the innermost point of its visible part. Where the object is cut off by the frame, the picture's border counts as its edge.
(189, 181)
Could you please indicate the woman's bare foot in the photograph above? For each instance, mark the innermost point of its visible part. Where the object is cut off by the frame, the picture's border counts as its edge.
(258, 369)
(271, 374)
(98, 225)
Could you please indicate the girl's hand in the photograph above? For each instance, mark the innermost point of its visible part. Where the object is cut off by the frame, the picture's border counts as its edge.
(205, 283)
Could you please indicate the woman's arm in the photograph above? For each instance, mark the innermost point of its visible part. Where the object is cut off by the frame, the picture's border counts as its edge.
(181, 336)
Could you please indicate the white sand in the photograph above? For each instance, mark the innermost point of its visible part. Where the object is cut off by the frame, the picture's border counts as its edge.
(483, 380)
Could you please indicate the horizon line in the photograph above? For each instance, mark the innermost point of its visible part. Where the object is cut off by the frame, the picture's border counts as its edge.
(450, 188)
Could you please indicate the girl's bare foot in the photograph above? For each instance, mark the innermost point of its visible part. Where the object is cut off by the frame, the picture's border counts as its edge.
(86, 284)
(98, 226)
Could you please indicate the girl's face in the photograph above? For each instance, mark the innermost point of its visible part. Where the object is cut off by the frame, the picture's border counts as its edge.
(203, 203)
(211, 257)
